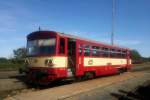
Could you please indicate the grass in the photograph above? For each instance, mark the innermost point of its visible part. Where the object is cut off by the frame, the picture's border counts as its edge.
(142, 64)
(10, 66)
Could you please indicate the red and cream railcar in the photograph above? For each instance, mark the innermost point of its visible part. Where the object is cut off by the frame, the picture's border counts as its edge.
(53, 56)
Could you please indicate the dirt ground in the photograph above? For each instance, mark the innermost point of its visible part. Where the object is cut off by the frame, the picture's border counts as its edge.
(11, 83)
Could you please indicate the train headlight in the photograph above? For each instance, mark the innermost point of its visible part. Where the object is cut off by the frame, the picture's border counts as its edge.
(49, 62)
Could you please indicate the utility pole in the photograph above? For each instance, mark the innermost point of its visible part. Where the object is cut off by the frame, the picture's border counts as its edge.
(113, 22)
(39, 28)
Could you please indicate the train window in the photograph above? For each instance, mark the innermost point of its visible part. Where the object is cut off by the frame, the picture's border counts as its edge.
(86, 50)
(123, 54)
(102, 52)
(105, 52)
(95, 51)
(41, 46)
(118, 53)
(80, 50)
(86, 46)
(113, 53)
(62, 46)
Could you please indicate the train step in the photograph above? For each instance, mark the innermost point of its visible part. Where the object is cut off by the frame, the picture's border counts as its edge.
(69, 73)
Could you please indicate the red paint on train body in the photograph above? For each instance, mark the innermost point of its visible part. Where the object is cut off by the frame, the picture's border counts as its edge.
(75, 48)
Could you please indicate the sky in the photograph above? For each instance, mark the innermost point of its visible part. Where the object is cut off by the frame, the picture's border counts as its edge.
(86, 18)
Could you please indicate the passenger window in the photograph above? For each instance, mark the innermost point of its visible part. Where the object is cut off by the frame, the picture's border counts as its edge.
(113, 53)
(118, 53)
(62, 46)
(123, 54)
(80, 50)
(105, 52)
(95, 51)
(86, 50)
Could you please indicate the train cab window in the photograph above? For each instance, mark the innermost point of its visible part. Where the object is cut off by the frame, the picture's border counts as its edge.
(62, 46)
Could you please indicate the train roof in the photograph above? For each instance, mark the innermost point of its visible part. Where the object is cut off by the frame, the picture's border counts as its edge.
(74, 37)
(89, 40)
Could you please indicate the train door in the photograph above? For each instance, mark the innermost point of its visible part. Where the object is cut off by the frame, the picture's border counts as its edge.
(128, 59)
(71, 57)
(79, 60)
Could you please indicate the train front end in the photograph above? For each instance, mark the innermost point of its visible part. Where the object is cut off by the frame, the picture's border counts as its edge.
(42, 63)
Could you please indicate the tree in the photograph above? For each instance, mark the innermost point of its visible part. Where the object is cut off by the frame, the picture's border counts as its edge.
(20, 53)
(135, 56)
(3, 60)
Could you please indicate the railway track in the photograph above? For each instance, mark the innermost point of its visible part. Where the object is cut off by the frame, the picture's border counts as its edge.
(71, 90)
(30, 89)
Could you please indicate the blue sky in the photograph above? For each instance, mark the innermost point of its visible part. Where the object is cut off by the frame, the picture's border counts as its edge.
(87, 18)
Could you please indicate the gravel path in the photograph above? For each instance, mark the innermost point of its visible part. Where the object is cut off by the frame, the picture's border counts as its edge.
(77, 90)
(118, 91)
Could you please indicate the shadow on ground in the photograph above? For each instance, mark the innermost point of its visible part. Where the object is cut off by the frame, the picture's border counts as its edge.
(140, 93)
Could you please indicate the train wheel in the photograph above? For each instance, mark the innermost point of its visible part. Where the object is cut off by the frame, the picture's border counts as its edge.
(78, 79)
(126, 70)
(121, 70)
(88, 75)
